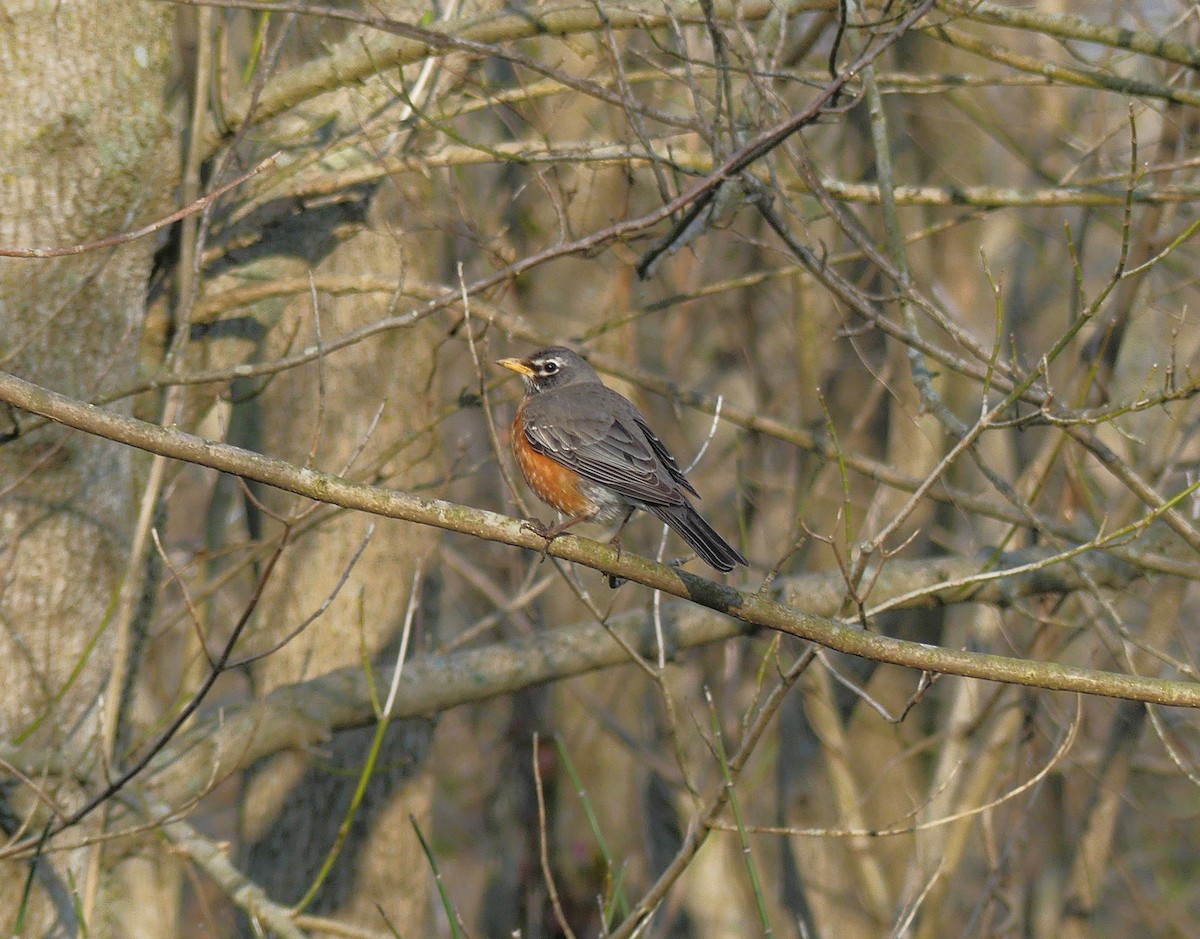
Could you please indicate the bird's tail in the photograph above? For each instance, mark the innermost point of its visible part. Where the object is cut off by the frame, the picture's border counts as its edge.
(692, 528)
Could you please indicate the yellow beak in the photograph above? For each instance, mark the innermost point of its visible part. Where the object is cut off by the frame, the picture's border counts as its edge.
(520, 366)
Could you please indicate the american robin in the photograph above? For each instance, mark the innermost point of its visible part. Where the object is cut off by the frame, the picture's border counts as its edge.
(587, 451)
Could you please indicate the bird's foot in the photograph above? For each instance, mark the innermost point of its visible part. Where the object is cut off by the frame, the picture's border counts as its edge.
(538, 528)
(615, 542)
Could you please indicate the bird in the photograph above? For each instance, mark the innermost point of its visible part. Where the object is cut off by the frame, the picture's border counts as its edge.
(587, 450)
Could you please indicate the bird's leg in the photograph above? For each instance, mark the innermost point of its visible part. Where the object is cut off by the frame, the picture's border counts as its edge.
(615, 540)
(613, 580)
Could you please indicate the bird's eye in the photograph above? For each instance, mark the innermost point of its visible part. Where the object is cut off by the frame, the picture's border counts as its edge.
(550, 367)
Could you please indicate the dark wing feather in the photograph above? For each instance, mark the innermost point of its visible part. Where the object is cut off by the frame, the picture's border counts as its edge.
(605, 440)
(665, 455)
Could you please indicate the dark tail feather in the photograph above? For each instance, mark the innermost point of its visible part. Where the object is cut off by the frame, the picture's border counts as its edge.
(715, 550)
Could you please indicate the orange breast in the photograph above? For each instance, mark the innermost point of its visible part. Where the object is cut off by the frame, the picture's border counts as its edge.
(554, 483)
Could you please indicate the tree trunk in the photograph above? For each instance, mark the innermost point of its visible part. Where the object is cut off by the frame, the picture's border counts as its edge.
(85, 151)
(296, 802)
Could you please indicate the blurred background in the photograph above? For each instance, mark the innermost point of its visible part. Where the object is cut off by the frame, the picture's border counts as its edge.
(931, 346)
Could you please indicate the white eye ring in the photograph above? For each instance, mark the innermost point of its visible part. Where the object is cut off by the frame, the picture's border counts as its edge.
(550, 367)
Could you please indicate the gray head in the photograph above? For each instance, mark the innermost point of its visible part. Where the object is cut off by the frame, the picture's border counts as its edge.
(552, 367)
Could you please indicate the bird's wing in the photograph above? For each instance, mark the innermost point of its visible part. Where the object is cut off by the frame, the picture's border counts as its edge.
(605, 440)
(664, 454)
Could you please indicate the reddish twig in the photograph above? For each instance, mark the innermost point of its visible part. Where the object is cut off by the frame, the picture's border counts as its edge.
(113, 241)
